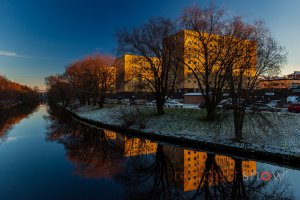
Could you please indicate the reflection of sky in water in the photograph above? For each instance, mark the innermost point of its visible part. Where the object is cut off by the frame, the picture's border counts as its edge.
(280, 176)
(32, 168)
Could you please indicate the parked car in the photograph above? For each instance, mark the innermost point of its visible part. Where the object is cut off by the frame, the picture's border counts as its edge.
(151, 103)
(294, 107)
(128, 102)
(293, 99)
(173, 104)
(276, 103)
(263, 107)
(111, 101)
(226, 104)
(140, 101)
(179, 100)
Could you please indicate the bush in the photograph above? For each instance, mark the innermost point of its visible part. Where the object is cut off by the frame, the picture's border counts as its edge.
(135, 115)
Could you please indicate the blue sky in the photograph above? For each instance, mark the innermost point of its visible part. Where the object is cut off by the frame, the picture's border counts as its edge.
(40, 37)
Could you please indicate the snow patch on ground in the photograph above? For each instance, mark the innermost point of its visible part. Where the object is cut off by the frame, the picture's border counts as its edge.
(266, 131)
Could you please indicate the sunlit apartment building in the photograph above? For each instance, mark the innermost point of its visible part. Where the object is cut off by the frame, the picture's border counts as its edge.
(133, 70)
(190, 52)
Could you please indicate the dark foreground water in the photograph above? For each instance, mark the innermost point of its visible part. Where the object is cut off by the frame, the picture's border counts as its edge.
(46, 155)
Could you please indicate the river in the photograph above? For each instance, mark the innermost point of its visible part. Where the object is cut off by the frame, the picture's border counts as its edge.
(44, 154)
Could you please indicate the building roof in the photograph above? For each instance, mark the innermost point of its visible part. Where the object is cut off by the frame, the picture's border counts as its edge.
(295, 73)
(280, 79)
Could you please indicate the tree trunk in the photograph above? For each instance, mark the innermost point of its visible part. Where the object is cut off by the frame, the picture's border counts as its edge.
(210, 112)
(101, 103)
(238, 124)
(238, 188)
(160, 107)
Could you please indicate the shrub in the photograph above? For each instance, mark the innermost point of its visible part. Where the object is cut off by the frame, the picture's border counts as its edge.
(135, 115)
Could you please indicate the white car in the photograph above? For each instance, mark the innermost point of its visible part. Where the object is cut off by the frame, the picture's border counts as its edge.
(224, 102)
(125, 101)
(292, 99)
(152, 103)
(173, 104)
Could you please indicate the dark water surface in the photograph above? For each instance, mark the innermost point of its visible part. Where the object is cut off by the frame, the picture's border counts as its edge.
(46, 155)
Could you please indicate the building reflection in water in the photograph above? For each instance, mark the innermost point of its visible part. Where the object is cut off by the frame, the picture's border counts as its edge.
(150, 170)
(191, 168)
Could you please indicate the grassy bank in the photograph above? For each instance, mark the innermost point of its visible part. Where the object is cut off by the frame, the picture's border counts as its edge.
(270, 132)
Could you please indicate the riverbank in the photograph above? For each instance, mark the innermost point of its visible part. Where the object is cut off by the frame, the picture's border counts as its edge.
(265, 134)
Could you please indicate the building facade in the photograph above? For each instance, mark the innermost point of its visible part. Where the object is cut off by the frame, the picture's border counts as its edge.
(133, 71)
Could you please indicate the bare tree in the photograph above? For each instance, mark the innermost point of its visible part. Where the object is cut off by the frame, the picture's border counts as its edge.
(254, 53)
(205, 52)
(149, 42)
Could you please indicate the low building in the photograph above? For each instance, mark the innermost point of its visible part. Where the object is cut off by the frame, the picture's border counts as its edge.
(295, 75)
(193, 98)
(279, 83)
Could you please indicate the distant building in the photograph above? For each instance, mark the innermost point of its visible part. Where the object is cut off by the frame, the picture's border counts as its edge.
(279, 83)
(295, 75)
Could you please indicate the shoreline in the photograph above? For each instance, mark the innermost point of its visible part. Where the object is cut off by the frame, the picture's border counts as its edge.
(238, 149)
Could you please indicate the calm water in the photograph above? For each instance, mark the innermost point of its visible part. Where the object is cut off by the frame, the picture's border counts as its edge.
(46, 155)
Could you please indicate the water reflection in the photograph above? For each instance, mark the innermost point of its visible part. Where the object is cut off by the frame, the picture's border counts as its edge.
(150, 170)
(11, 117)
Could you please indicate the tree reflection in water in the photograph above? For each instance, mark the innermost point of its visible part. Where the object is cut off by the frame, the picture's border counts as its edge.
(148, 170)
(92, 150)
(13, 116)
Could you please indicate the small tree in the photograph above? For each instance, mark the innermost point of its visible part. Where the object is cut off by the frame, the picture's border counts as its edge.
(59, 89)
(93, 77)
(157, 55)
(100, 73)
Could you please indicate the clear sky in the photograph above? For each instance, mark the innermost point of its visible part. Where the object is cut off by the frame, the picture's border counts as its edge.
(40, 37)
